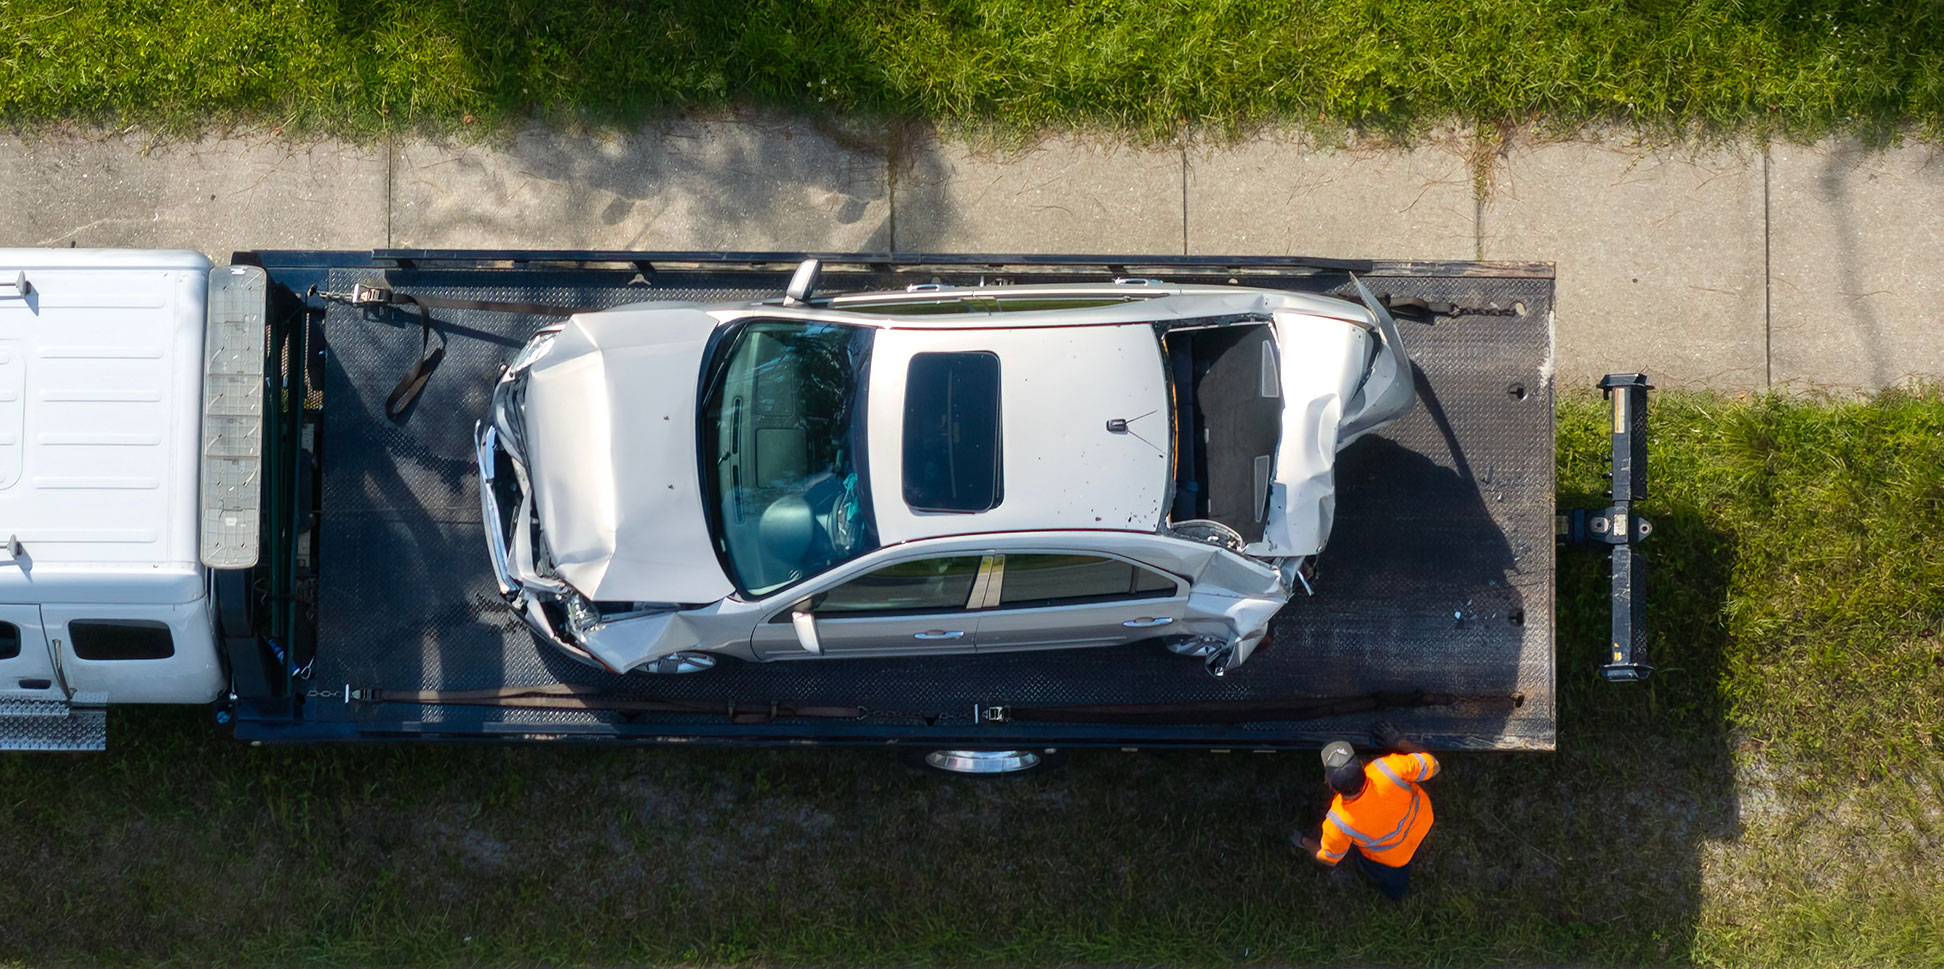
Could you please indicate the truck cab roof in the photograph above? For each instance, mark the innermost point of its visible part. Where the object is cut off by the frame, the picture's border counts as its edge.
(100, 411)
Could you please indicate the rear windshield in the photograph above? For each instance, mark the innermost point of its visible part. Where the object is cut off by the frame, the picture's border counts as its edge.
(951, 433)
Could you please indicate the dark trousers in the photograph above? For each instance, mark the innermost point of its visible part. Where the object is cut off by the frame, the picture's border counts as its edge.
(1393, 882)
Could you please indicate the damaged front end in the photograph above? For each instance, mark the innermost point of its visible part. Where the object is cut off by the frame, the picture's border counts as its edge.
(517, 548)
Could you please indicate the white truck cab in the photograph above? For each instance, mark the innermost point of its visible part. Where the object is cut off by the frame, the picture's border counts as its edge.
(104, 590)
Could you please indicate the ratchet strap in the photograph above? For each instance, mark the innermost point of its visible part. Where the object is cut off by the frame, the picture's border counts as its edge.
(399, 401)
(409, 386)
(567, 696)
(366, 294)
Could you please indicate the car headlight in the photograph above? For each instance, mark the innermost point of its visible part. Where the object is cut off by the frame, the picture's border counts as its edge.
(533, 351)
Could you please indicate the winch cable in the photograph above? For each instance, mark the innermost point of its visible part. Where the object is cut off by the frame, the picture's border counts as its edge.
(567, 696)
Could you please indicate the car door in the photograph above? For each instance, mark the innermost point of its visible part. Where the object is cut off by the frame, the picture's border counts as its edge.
(26, 664)
(911, 607)
(1058, 600)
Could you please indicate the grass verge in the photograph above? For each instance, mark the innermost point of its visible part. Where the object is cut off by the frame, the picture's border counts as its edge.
(360, 66)
(1769, 799)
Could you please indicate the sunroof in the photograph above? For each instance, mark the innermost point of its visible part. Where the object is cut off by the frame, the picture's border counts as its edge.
(951, 433)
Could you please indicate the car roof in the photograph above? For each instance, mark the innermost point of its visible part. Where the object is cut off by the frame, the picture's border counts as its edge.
(1062, 468)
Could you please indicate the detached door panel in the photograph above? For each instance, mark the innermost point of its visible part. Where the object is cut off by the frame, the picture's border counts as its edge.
(1061, 601)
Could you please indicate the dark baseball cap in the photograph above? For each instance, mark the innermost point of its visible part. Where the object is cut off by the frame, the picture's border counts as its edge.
(1341, 768)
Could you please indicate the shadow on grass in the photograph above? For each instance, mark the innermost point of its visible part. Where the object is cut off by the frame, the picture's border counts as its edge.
(179, 845)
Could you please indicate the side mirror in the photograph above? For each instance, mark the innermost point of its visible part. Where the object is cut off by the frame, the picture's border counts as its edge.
(802, 284)
(805, 625)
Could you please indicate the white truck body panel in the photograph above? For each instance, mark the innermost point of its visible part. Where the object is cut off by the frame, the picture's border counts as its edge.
(100, 427)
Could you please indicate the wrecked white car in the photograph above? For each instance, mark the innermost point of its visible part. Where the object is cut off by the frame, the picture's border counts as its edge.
(941, 470)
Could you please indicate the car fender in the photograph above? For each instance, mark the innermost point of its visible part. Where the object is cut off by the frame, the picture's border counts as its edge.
(630, 641)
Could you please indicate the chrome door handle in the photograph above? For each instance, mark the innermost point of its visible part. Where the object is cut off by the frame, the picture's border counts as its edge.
(1146, 621)
(939, 634)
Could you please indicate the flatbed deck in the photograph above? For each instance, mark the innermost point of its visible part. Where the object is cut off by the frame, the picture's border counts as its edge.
(1434, 600)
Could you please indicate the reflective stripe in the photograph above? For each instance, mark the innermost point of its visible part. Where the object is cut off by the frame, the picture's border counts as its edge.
(1355, 835)
(1328, 855)
(1397, 835)
(1403, 830)
(1427, 765)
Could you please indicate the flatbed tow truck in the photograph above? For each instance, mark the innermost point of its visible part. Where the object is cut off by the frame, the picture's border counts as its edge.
(216, 488)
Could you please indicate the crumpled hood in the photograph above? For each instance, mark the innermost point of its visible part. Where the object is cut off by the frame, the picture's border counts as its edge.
(610, 433)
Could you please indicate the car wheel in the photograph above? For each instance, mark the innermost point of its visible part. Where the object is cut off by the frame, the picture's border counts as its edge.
(964, 762)
(677, 663)
(1198, 647)
(1210, 532)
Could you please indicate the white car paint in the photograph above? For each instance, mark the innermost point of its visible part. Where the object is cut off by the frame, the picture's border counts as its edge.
(1224, 588)
(611, 424)
(1058, 388)
(1316, 383)
(1070, 484)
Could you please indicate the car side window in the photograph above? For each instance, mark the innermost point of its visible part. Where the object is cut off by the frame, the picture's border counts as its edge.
(1066, 579)
(920, 585)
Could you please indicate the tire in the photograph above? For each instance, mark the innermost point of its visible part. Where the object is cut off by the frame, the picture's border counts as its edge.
(983, 762)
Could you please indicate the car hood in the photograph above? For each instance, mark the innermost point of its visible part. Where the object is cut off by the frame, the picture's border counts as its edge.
(610, 420)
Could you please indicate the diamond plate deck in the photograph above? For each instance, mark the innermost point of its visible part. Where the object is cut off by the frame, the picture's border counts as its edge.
(1439, 575)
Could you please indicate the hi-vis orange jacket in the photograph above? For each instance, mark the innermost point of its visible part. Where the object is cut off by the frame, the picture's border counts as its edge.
(1388, 820)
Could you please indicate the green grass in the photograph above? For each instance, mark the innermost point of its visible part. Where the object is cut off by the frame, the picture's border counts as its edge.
(1770, 798)
(360, 66)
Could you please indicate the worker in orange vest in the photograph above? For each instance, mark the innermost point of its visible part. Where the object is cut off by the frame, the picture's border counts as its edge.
(1379, 809)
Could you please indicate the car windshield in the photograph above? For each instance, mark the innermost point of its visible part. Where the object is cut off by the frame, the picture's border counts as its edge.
(782, 438)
